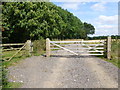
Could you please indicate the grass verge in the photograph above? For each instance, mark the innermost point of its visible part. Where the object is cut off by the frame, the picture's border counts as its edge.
(5, 64)
(114, 54)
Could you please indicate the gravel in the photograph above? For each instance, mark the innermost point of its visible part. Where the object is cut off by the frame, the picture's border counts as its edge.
(64, 70)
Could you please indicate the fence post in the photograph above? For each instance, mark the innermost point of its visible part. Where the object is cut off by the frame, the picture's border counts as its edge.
(109, 47)
(47, 47)
(28, 47)
(82, 42)
(105, 48)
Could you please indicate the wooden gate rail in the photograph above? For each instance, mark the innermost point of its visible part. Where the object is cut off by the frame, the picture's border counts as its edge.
(11, 48)
(65, 49)
(75, 41)
(79, 48)
(14, 44)
(83, 43)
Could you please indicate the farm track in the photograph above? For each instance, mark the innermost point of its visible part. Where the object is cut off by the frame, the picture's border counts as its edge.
(64, 70)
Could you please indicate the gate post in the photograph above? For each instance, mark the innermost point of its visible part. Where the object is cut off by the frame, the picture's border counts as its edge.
(109, 47)
(47, 47)
(28, 47)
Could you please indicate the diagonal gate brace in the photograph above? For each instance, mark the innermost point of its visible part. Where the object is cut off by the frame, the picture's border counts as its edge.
(65, 49)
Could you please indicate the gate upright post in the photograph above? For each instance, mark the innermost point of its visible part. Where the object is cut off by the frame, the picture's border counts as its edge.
(109, 47)
(47, 47)
(28, 47)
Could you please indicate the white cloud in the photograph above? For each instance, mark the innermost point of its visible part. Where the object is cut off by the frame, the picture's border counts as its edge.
(83, 3)
(106, 25)
(84, 0)
(66, 0)
(73, 6)
(100, 6)
(104, 30)
(107, 29)
(108, 19)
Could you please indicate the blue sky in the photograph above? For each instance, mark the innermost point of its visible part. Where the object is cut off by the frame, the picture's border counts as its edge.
(103, 15)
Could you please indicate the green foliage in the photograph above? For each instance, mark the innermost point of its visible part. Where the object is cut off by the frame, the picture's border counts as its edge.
(115, 51)
(40, 20)
(39, 47)
(89, 28)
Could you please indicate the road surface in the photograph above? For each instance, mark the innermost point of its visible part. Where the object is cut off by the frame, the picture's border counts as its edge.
(64, 70)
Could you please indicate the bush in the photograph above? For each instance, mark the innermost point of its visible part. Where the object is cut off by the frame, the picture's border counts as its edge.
(39, 46)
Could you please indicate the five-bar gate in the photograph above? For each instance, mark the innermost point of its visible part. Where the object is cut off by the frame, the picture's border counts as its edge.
(78, 47)
(82, 47)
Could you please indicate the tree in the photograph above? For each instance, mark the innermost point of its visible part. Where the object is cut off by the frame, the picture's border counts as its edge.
(37, 20)
(89, 28)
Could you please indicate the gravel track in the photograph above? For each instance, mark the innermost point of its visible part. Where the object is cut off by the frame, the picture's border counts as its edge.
(66, 71)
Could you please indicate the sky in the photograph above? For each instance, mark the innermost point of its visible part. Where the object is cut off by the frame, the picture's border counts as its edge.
(102, 15)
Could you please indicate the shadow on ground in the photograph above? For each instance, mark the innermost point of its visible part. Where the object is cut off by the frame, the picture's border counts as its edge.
(72, 56)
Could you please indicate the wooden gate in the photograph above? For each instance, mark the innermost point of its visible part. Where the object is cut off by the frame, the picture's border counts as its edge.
(82, 47)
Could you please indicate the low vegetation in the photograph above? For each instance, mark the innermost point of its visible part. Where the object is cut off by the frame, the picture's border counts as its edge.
(104, 37)
(7, 54)
(114, 54)
(39, 47)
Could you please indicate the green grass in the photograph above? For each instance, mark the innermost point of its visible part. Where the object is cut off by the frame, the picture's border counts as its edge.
(7, 54)
(114, 54)
(13, 85)
(115, 62)
(5, 64)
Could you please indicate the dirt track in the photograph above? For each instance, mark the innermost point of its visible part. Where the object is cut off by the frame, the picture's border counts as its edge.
(61, 71)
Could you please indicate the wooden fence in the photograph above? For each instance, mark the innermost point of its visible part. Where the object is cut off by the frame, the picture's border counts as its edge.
(9, 47)
(22, 46)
